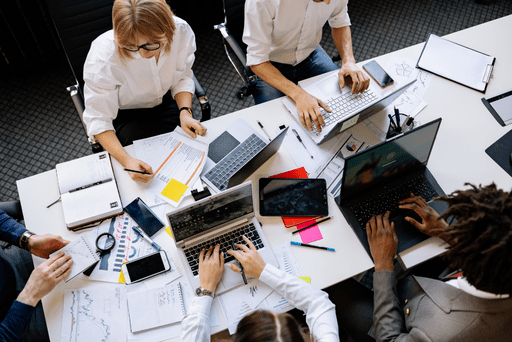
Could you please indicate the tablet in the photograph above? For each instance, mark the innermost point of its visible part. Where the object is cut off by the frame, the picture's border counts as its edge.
(500, 106)
(293, 197)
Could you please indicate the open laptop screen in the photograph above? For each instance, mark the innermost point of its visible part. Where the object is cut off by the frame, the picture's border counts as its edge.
(220, 209)
(388, 159)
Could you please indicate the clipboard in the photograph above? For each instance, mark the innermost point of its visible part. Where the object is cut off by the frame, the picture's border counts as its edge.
(456, 62)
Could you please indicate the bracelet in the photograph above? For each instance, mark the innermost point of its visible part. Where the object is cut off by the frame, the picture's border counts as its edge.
(187, 109)
(24, 239)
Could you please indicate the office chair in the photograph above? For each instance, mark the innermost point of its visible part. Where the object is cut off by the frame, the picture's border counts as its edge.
(233, 44)
(78, 23)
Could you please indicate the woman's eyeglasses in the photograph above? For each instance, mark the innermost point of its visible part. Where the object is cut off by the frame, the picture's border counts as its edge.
(147, 47)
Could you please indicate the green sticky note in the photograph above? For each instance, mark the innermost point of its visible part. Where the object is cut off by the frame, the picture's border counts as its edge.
(307, 279)
(174, 190)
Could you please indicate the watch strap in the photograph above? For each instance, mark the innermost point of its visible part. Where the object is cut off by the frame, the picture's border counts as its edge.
(204, 292)
(24, 239)
(188, 109)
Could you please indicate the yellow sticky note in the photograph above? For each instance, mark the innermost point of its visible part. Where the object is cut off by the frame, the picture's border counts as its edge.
(168, 231)
(174, 190)
(121, 276)
(308, 279)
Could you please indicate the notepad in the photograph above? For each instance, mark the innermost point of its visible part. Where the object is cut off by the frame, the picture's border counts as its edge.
(88, 190)
(83, 253)
(156, 307)
(456, 62)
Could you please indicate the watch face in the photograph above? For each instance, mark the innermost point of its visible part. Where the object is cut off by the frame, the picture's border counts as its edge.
(198, 291)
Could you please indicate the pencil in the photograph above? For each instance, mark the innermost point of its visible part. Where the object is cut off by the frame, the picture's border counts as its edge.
(136, 171)
(311, 225)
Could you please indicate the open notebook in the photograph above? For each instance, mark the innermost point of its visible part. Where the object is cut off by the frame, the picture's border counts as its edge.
(88, 190)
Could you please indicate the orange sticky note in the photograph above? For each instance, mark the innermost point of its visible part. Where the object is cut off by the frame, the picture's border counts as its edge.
(174, 190)
(307, 279)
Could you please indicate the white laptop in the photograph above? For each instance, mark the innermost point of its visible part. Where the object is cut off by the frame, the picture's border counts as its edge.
(235, 154)
(218, 219)
(347, 108)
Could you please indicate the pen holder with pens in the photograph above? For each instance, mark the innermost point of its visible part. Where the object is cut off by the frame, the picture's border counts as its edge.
(395, 129)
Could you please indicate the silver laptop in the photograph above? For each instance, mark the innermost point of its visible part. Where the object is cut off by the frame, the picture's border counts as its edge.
(235, 154)
(347, 108)
(218, 219)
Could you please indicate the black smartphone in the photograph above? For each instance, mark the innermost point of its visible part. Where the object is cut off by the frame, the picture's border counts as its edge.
(293, 197)
(378, 74)
(145, 217)
(145, 267)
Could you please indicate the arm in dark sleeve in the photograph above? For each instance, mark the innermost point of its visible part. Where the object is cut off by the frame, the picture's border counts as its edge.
(388, 318)
(10, 230)
(16, 321)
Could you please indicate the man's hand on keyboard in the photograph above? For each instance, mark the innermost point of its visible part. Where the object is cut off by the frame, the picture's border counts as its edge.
(211, 266)
(431, 223)
(360, 82)
(383, 241)
(308, 108)
(249, 257)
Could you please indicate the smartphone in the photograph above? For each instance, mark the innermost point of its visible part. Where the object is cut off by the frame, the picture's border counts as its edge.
(145, 267)
(378, 74)
(293, 197)
(145, 217)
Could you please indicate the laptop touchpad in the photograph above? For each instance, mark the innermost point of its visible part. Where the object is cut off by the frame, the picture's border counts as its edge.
(407, 234)
(221, 146)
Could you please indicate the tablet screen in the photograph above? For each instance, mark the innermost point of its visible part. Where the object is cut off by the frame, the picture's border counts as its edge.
(293, 197)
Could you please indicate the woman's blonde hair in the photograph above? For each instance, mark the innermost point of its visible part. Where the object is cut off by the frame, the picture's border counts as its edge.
(151, 19)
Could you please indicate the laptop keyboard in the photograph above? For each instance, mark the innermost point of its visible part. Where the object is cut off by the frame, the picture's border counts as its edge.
(192, 253)
(344, 105)
(389, 199)
(219, 175)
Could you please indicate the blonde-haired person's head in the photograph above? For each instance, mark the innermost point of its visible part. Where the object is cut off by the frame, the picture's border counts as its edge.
(150, 19)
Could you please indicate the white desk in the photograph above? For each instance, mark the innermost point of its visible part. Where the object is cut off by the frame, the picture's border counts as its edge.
(458, 157)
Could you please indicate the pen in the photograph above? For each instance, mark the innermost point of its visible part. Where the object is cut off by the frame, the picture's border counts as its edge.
(392, 122)
(147, 238)
(311, 246)
(405, 122)
(264, 131)
(311, 225)
(91, 185)
(239, 265)
(397, 116)
(136, 171)
(300, 140)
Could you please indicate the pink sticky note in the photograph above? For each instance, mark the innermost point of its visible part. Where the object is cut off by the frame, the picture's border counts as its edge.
(311, 234)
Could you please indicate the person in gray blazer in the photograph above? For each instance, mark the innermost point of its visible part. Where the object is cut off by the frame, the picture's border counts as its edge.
(475, 306)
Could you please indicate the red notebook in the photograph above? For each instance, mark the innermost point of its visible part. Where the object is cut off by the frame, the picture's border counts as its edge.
(295, 173)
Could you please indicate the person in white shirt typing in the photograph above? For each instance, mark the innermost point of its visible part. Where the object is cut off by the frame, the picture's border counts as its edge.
(139, 81)
(259, 325)
(283, 38)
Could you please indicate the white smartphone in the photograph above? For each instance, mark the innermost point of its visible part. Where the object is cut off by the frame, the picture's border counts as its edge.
(145, 267)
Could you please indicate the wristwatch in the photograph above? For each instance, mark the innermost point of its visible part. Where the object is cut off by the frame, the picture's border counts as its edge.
(204, 292)
(187, 109)
(24, 239)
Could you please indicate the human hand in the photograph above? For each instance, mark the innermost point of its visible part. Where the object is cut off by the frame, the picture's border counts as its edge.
(431, 224)
(139, 165)
(383, 241)
(44, 245)
(249, 257)
(190, 125)
(308, 108)
(211, 266)
(45, 277)
(360, 82)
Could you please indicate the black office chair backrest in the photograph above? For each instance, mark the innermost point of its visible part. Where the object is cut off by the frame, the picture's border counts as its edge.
(78, 23)
(234, 19)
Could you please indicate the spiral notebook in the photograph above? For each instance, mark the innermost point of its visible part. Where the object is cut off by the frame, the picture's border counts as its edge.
(156, 307)
(83, 253)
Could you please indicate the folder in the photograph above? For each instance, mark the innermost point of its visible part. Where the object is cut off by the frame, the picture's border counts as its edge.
(456, 62)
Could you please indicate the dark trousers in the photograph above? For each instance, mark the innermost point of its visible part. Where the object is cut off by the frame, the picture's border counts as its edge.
(140, 123)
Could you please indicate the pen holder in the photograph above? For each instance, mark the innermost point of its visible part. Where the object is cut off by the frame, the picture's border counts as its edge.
(405, 125)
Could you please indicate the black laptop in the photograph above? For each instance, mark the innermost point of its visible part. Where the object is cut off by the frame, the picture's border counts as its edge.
(376, 179)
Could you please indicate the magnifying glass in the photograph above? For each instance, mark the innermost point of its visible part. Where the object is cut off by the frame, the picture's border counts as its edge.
(104, 244)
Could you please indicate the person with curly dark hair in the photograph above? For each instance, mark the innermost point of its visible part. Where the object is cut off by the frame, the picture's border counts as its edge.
(476, 306)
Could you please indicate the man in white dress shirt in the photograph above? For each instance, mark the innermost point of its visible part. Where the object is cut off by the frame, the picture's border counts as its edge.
(283, 38)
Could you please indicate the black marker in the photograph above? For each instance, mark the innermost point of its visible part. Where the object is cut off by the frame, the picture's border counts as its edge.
(239, 265)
